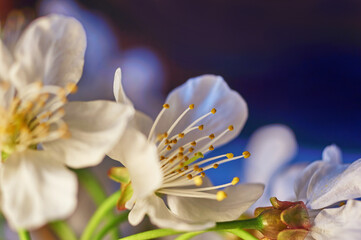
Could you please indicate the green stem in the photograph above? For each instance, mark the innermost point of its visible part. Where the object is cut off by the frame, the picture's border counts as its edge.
(111, 224)
(62, 230)
(189, 235)
(254, 223)
(24, 235)
(102, 211)
(242, 234)
(95, 191)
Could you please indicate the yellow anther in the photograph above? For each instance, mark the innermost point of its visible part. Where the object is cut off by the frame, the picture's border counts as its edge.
(71, 88)
(191, 106)
(246, 154)
(180, 154)
(162, 157)
(221, 195)
(230, 127)
(211, 148)
(201, 127)
(181, 149)
(191, 149)
(181, 135)
(174, 141)
(341, 203)
(179, 171)
(166, 141)
(185, 167)
(198, 181)
(235, 181)
(196, 167)
(203, 174)
(166, 105)
(193, 143)
(165, 134)
(200, 170)
(213, 111)
(211, 136)
(189, 176)
(169, 147)
(186, 158)
(229, 155)
(215, 166)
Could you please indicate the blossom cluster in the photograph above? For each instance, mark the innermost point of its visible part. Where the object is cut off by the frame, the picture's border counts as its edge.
(165, 161)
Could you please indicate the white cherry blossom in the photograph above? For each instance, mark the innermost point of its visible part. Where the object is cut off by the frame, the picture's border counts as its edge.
(165, 157)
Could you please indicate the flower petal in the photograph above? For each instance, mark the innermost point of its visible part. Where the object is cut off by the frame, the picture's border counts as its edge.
(205, 92)
(328, 183)
(50, 50)
(118, 90)
(335, 223)
(95, 127)
(141, 160)
(332, 154)
(271, 147)
(5, 62)
(161, 216)
(239, 199)
(36, 188)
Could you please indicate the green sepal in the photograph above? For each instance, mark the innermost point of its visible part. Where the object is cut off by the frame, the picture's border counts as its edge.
(126, 194)
(119, 174)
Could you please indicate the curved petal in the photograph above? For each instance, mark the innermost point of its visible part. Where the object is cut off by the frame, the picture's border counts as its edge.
(118, 90)
(6, 60)
(142, 122)
(239, 199)
(161, 216)
(271, 147)
(332, 154)
(141, 160)
(328, 183)
(36, 188)
(205, 92)
(335, 223)
(50, 50)
(95, 127)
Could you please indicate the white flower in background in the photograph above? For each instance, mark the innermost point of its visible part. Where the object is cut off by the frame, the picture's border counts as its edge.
(166, 157)
(40, 133)
(323, 186)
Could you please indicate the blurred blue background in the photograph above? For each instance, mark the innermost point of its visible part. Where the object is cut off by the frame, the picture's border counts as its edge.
(295, 62)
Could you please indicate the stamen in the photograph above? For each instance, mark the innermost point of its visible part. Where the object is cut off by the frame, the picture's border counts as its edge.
(221, 195)
(246, 154)
(165, 106)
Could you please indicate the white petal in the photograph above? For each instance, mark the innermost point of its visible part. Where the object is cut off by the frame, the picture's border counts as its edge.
(328, 183)
(50, 50)
(141, 159)
(141, 122)
(205, 92)
(5, 62)
(95, 127)
(118, 89)
(332, 154)
(338, 223)
(36, 189)
(271, 147)
(239, 199)
(161, 216)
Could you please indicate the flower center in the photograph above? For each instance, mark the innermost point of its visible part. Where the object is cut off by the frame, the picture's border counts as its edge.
(31, 116)
(182, 161)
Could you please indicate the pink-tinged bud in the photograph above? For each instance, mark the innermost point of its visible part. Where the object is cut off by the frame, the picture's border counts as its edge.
(284, 220)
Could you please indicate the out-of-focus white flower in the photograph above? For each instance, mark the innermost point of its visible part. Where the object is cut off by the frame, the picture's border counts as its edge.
(323, 185)
(40, 133)
(165, 157)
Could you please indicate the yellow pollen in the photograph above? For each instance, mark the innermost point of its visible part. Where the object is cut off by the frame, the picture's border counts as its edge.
(341, 203)
(215, 166)
(165, 135)
(166, 141)
(230, 128)
(229, 155)
(166, 105)
(200, 170)
(211, 136)
(191, 149)
(181, 165)
(181, 135)
(221, 195)
(203, 174)
(235, 181)
(169, 147)
(193, 143)
(181, 149)
(179, 170)
(162, 157)
(201, 127)
(185, 167)
(71, 88)
(198, 181)
(213, 111)
(180, 154)
(174, 141)
(246, 154)
(186, 158)
(211, 148)
(196, 167)
(189, 176)
(191, 106)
